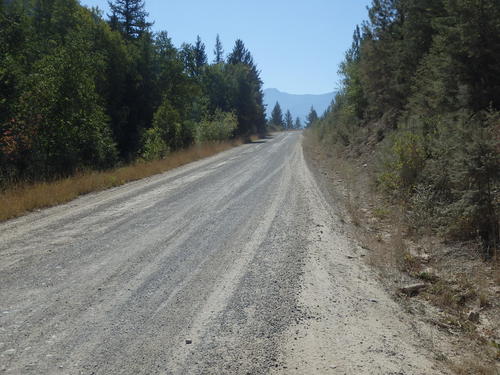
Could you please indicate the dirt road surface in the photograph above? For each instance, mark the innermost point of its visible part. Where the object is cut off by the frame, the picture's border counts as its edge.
(234, 264)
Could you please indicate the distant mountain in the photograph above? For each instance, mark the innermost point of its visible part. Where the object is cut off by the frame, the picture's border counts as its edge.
(299, 105)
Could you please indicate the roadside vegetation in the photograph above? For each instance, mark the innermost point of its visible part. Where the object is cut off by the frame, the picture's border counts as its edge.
(421, 85)
(411, 145)
(25, 197)
(84, 91)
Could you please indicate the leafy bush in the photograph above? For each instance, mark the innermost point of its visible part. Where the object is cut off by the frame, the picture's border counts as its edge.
(168, 124)
(153, 144)
(68, 126)
(220, 127)
(403, 164)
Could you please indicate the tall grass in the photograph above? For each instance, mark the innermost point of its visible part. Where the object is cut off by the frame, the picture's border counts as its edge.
(23, 198)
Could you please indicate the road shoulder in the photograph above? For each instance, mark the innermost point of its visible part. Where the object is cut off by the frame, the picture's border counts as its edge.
(352, 325)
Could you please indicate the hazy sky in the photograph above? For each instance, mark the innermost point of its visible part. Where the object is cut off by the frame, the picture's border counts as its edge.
(297, 44)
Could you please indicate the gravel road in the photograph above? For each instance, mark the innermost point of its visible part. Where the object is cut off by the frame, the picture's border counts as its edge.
(234, 264)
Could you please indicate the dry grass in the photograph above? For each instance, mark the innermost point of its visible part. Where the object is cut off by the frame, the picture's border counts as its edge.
(254, 138)
(21, 199)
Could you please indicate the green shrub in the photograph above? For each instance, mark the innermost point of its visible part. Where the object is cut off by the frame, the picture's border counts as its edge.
(168, 124)
(474, 178)
(402, 163)
(447, 172)
(220, 127)
(153, 144)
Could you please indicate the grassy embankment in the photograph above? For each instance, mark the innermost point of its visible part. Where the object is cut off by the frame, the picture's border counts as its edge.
(460, 296)
(23, 198)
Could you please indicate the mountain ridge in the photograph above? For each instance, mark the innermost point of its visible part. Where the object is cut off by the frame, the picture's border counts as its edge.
(298, 104)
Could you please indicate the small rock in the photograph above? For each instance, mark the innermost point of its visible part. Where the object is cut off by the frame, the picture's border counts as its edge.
(424, 257)
(9, 351)
(189, 342)
(473, 316)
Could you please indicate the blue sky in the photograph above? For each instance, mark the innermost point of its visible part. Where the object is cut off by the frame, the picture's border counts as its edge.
(297, 44)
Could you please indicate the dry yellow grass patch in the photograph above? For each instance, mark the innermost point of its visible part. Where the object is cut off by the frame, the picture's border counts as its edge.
(21, 199)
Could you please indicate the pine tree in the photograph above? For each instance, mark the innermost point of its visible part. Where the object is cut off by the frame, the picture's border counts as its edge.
(240, 55)
(186, 54)
(200, 56)
(288, 120)
(250, 97)
(130, 17)
(298, 123)
(218, 51)
(312, 117)
(277, 116)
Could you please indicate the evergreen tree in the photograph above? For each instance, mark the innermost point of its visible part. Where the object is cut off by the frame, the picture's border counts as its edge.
(288, 120)
(298, 123)
(277, 117)
(218, 51)
(249, 98)
(130, 17)
(199, 56)
(240, 55)
(187, 56)
(312, 117)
